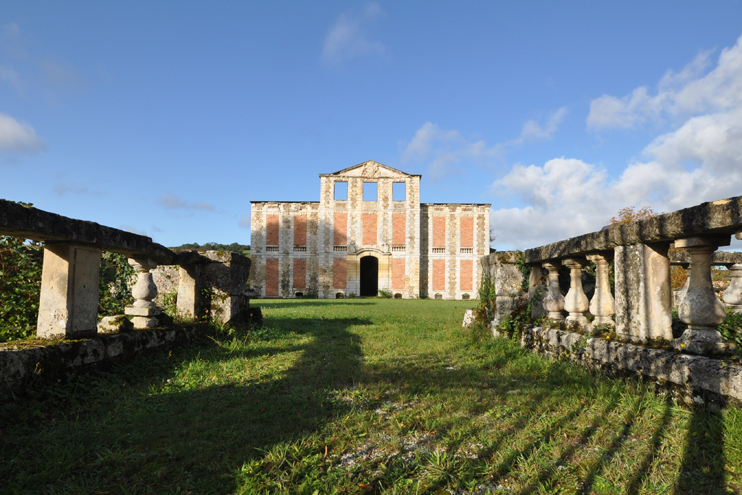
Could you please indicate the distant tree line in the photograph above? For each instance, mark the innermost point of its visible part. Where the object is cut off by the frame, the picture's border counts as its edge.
(214, 246)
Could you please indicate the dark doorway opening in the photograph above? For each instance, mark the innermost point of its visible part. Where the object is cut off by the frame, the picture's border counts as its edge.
(369, 276)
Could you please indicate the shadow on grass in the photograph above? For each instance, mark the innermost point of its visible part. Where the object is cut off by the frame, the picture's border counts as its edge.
(118, 432)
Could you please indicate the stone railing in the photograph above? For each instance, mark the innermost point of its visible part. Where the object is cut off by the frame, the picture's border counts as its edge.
(642, 252)
(214, 282)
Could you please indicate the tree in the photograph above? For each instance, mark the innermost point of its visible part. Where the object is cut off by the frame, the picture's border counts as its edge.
(630, 214)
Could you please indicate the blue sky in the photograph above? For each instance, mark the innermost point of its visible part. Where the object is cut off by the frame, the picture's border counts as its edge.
(168, 118)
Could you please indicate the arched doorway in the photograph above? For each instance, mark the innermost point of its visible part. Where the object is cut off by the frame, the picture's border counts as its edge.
(369, 276)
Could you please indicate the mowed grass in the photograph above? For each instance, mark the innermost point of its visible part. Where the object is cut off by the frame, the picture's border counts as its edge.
(361, 396)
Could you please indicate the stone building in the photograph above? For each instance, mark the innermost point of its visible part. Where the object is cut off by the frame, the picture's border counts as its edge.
(368, 232)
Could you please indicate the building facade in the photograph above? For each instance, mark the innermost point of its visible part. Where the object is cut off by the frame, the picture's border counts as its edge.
(368, 232)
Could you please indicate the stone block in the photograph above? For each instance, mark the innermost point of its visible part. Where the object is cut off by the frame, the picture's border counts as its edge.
(470, 316)
(68, 306)
(115, 324)
(643, 297)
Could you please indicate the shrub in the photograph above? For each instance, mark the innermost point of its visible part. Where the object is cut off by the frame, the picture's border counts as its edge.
(20, 287)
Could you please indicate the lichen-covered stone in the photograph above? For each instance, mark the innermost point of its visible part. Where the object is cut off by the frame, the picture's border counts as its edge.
(115, 324)
(470, 316)
(696, 378)
(22, 367)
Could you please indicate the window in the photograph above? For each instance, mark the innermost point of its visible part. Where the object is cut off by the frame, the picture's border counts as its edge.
(370, 191)
(399, 191)
(341, 191)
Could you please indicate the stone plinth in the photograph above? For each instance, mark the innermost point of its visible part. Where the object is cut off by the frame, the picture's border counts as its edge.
(68, 306)
(643, 295)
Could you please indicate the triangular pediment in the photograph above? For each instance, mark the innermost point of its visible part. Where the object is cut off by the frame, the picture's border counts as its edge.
(371, 170)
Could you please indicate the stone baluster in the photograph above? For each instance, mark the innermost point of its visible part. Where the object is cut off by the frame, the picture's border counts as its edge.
(683, 290)
(700, 308)
(602, 304)
(554, 300)
(733, 294)
(144, 310)
(575, 302)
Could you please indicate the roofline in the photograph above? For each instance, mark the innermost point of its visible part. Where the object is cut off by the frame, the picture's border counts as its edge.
(370, 178)
(457, 204)
(284, 201)
(365, 162)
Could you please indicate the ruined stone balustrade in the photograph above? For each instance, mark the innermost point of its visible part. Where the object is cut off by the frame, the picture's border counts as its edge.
(640, 305)
(68, 305)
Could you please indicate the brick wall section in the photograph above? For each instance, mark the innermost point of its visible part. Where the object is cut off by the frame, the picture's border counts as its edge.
(339, 273)
(300, 273)
(467, 275)
(271, 230)
(369, 221)
(398, 274)
(467, 232)
(439, 275)
(300, 230)
(341, 229)
(399, 229)
(439, 232)
(271, 275)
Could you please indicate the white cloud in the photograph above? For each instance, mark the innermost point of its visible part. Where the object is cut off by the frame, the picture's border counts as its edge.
(347, 39)
(245, 221)
(699, 159)
(679, 96)
(18, 137)
(11, 76)
(174, 202)
(533, 131)
(63, 189)
(445, 149)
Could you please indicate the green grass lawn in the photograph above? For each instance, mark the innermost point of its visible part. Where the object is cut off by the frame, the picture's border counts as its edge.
(361, 396)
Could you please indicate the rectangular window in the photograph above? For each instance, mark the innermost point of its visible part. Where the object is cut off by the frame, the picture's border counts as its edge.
(370, 191)
(467, 232)
(399, 191)
(341, 229)
(467, 275)
(271, 230)
(399, 229)
(271, 277)
(339, 273)
(439, 232)
(341, 191)
(300, 229)
(300, 274)
(369, 222)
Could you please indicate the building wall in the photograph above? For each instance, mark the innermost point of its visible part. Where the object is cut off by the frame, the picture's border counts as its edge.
(454, 236)
(331, 236)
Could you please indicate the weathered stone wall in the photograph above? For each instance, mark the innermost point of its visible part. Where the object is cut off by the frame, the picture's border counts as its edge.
(22, 367)
(348, 229)
(697, 379)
